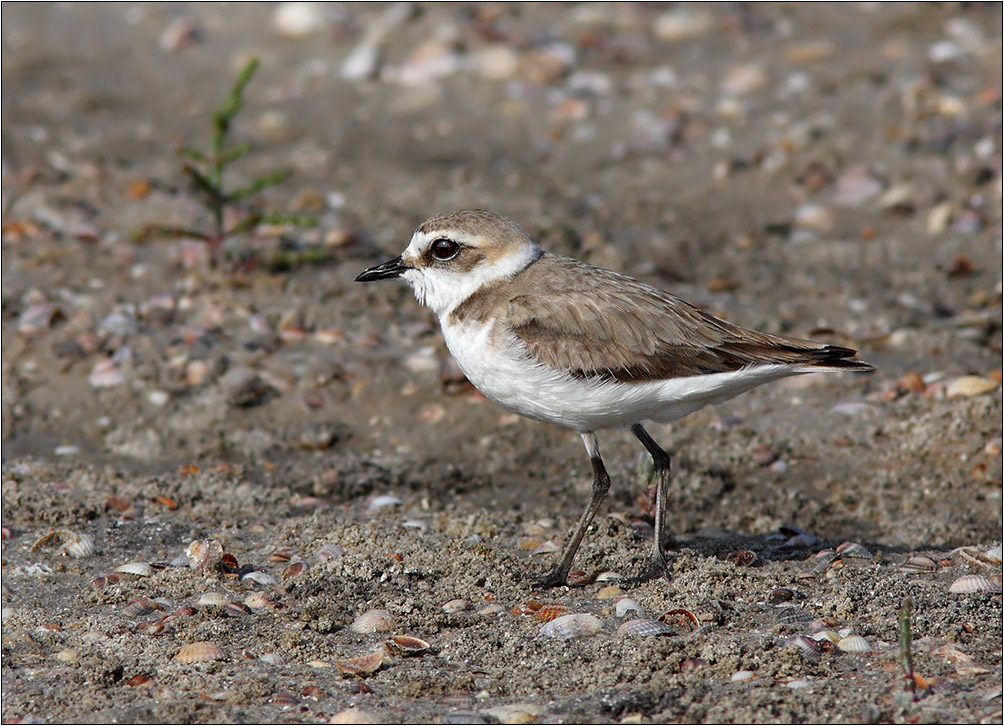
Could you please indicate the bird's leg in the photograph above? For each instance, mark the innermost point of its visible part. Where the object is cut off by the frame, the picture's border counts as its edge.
(601, 485)
(657, 563)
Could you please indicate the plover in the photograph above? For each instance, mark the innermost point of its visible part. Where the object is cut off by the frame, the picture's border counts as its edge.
(558, 340)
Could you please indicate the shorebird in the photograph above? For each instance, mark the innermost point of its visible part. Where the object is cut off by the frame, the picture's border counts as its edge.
(558, 340)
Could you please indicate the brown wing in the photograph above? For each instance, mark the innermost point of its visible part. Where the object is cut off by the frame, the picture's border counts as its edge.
(595, 323)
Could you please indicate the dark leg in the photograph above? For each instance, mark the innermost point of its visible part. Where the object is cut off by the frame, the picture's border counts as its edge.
(657, 563)
(601, 485)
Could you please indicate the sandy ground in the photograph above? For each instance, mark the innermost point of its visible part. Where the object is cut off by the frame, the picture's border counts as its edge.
(815, 170)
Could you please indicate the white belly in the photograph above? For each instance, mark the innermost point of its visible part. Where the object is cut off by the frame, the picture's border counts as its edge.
(499, 367)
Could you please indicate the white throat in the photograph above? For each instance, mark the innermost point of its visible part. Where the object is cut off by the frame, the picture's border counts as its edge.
(443, 290)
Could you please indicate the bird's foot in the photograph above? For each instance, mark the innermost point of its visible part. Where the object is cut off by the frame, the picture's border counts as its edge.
(555, 578)
(654, 569)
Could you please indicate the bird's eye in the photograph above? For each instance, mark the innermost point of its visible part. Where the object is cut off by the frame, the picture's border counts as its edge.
(444, 249)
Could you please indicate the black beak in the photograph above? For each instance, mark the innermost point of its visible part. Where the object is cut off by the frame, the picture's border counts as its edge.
(384, 271)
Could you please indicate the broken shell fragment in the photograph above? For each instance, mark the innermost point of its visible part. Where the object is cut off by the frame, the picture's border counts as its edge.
(974, 583)
(406, 644)
(626, 605)
(200, 652)
(643, 627)
(362, 665)
(373, 621)
(576, 625)
(259, 576)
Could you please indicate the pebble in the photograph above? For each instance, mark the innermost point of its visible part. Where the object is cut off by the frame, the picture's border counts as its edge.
(243, 388)
(742, 676)
(495, 62)
(455, 606)
(814, 216)
(384, 501)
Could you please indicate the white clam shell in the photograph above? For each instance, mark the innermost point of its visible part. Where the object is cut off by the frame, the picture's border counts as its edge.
(854, 644)
(974, 583)
(373, 621)
(140, 569)
(211, 599)
(626, 605)
(273, 659)
(79, 545)
(575, 625)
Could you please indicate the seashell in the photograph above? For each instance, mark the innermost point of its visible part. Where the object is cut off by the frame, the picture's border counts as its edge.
(742, 676)
(259, 576)
(79, 545)
(682, 618)
(383, 501)
(608, 577)
(354, 715)
(330, 552)
(273, 659)
(281, 554)
(692, 664)
(373, 621)
(140, 679)
(69, 655)
(854, 644)
(793, 615)
(626, 605)
(236, 609)
(808, 647)
(140, 607)
(283, 699)
(548, 547)
(99, 582)
(406, 644)
(550, 611)
(576, 625)
(151, 627)
(969, 386)
(229, 563)
(528, 607)
(204, 553)
(578, 578)
(853, 549)
(780, 595)
(974, 583)
(742, 558)
(211, 599)
(314, 692)
(200, 652)
(609, 592)
(455, 606)
(140, 569)
(643, 627)
(294, 569)
(919, 563)
(362, 665)
(257, 600)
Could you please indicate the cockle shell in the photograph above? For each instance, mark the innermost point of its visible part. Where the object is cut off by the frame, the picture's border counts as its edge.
(974, 583)
(140, 569)
(362, 665)
(373, 621)
(576, 625)
(854, 644)
(200, 652)
(644, 627)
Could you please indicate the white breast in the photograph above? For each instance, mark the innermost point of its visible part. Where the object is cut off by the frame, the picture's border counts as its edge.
(498, 366)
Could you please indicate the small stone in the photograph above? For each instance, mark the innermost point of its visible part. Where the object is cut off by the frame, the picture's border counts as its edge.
(495, 62)
(744, 79)
(814, 216)
(856, 186)
(742, 676)
(243, 388)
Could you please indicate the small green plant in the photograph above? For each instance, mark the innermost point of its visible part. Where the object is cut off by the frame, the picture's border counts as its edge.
(206, 171)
